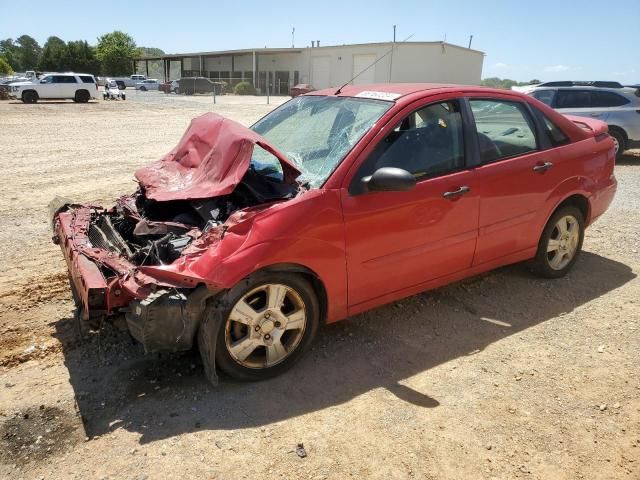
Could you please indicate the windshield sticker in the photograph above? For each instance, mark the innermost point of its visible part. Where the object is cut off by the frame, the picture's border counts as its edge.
(389, 96)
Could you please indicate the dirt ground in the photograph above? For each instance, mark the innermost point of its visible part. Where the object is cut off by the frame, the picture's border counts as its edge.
(501, 376)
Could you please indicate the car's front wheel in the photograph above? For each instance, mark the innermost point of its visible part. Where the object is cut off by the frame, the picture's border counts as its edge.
(560, 243)
(29, 97)
(266, 323)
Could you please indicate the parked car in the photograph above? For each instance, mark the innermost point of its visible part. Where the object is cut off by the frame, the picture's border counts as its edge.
(606, 101)
(192, 85)
(79, 87)
(112, 91)
(300, 89)
(246, 240)
(168, 87)
(149, 84)
(131, 80)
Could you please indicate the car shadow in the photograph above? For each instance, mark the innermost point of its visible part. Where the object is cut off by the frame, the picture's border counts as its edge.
(160, 396)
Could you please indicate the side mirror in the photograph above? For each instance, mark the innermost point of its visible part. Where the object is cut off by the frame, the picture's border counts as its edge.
(389, 179)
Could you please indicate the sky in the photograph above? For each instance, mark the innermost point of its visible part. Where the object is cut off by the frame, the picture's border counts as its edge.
(542, 39)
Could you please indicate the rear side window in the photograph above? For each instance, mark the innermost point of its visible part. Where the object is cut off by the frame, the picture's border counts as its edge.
(504, 128)
(573, 99)
(554, 134)
(545, 96)
(427, 143)
(607, 99)
(87, 79)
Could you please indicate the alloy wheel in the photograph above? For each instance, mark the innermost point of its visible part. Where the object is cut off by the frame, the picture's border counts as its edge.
(563, 242)
(265, 326)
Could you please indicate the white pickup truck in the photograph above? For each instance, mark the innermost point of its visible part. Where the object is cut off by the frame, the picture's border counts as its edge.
(132, 80)
(79, 87)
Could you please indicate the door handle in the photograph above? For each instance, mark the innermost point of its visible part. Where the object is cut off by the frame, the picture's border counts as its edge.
(541, 168)
(456, 193)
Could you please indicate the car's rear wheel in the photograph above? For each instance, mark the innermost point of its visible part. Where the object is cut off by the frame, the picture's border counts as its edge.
(618, 142)
(268, 321)
(30, 96)
(560, 244)
(82, 96)
(143, 89)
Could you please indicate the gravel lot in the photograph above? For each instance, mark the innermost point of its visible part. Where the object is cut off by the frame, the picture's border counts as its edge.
(501, 376)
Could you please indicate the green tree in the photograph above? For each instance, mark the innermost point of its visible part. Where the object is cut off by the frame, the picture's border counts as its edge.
(115, 51)
(80, 57)
(5, 67)
(151, 52)
(8, 51)
(28, 51)
(54, 55)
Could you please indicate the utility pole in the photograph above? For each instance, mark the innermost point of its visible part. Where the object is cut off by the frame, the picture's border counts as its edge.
(293, 35)
(391, 58)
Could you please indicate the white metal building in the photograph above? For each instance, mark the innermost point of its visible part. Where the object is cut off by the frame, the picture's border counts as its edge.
(331, 66)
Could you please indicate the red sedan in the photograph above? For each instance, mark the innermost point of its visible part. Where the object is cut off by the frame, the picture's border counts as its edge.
(246, 240)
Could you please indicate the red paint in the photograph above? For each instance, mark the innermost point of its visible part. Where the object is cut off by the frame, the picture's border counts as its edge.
(371, 249)
(210, 160)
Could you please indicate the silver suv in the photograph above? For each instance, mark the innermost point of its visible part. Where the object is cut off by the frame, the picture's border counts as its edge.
(610, 102)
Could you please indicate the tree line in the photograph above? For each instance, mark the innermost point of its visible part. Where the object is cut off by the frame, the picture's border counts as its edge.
(111, 55)
(495, 82)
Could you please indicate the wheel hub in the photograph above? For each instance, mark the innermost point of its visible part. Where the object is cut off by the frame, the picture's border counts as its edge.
(267, 326)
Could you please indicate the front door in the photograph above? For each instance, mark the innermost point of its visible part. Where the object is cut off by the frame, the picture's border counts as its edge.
(396, 241)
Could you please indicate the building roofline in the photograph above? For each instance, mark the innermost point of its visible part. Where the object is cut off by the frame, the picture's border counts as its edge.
(273, 51)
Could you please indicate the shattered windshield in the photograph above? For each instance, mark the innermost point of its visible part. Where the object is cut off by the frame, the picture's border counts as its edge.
(316, 132)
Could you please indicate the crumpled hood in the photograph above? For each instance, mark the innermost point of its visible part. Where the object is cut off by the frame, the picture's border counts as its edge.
(210, 160)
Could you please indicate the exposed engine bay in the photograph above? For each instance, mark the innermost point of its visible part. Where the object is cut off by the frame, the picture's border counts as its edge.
(151, 232)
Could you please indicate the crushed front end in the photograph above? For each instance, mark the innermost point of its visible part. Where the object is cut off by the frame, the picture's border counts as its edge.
(135, 258)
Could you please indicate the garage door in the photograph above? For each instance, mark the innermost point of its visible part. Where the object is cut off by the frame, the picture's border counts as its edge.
(360, 62)
(320, 72)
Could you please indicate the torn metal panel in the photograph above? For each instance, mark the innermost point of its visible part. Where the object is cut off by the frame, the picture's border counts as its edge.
(211, 159)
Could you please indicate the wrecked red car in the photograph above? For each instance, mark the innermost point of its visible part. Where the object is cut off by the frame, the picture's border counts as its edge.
(246, 240)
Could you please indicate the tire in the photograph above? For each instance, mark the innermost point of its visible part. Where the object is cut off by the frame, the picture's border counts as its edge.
(620, 142)
(124, 97)
(177, 91)
(143, 89)
(30, 96)
(219, 332)
(557, 262)
(82, 96)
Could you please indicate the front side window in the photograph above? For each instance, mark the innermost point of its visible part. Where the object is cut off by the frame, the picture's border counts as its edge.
(47, 79)
(427, 143)
(316, 132)
(504, 128)
(573, 99)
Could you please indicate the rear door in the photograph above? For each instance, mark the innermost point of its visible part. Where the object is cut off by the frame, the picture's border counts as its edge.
(582, 102)
(396, 241)
(515, 177)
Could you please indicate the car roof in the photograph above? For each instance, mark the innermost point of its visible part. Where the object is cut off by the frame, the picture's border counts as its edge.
(400, 90)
